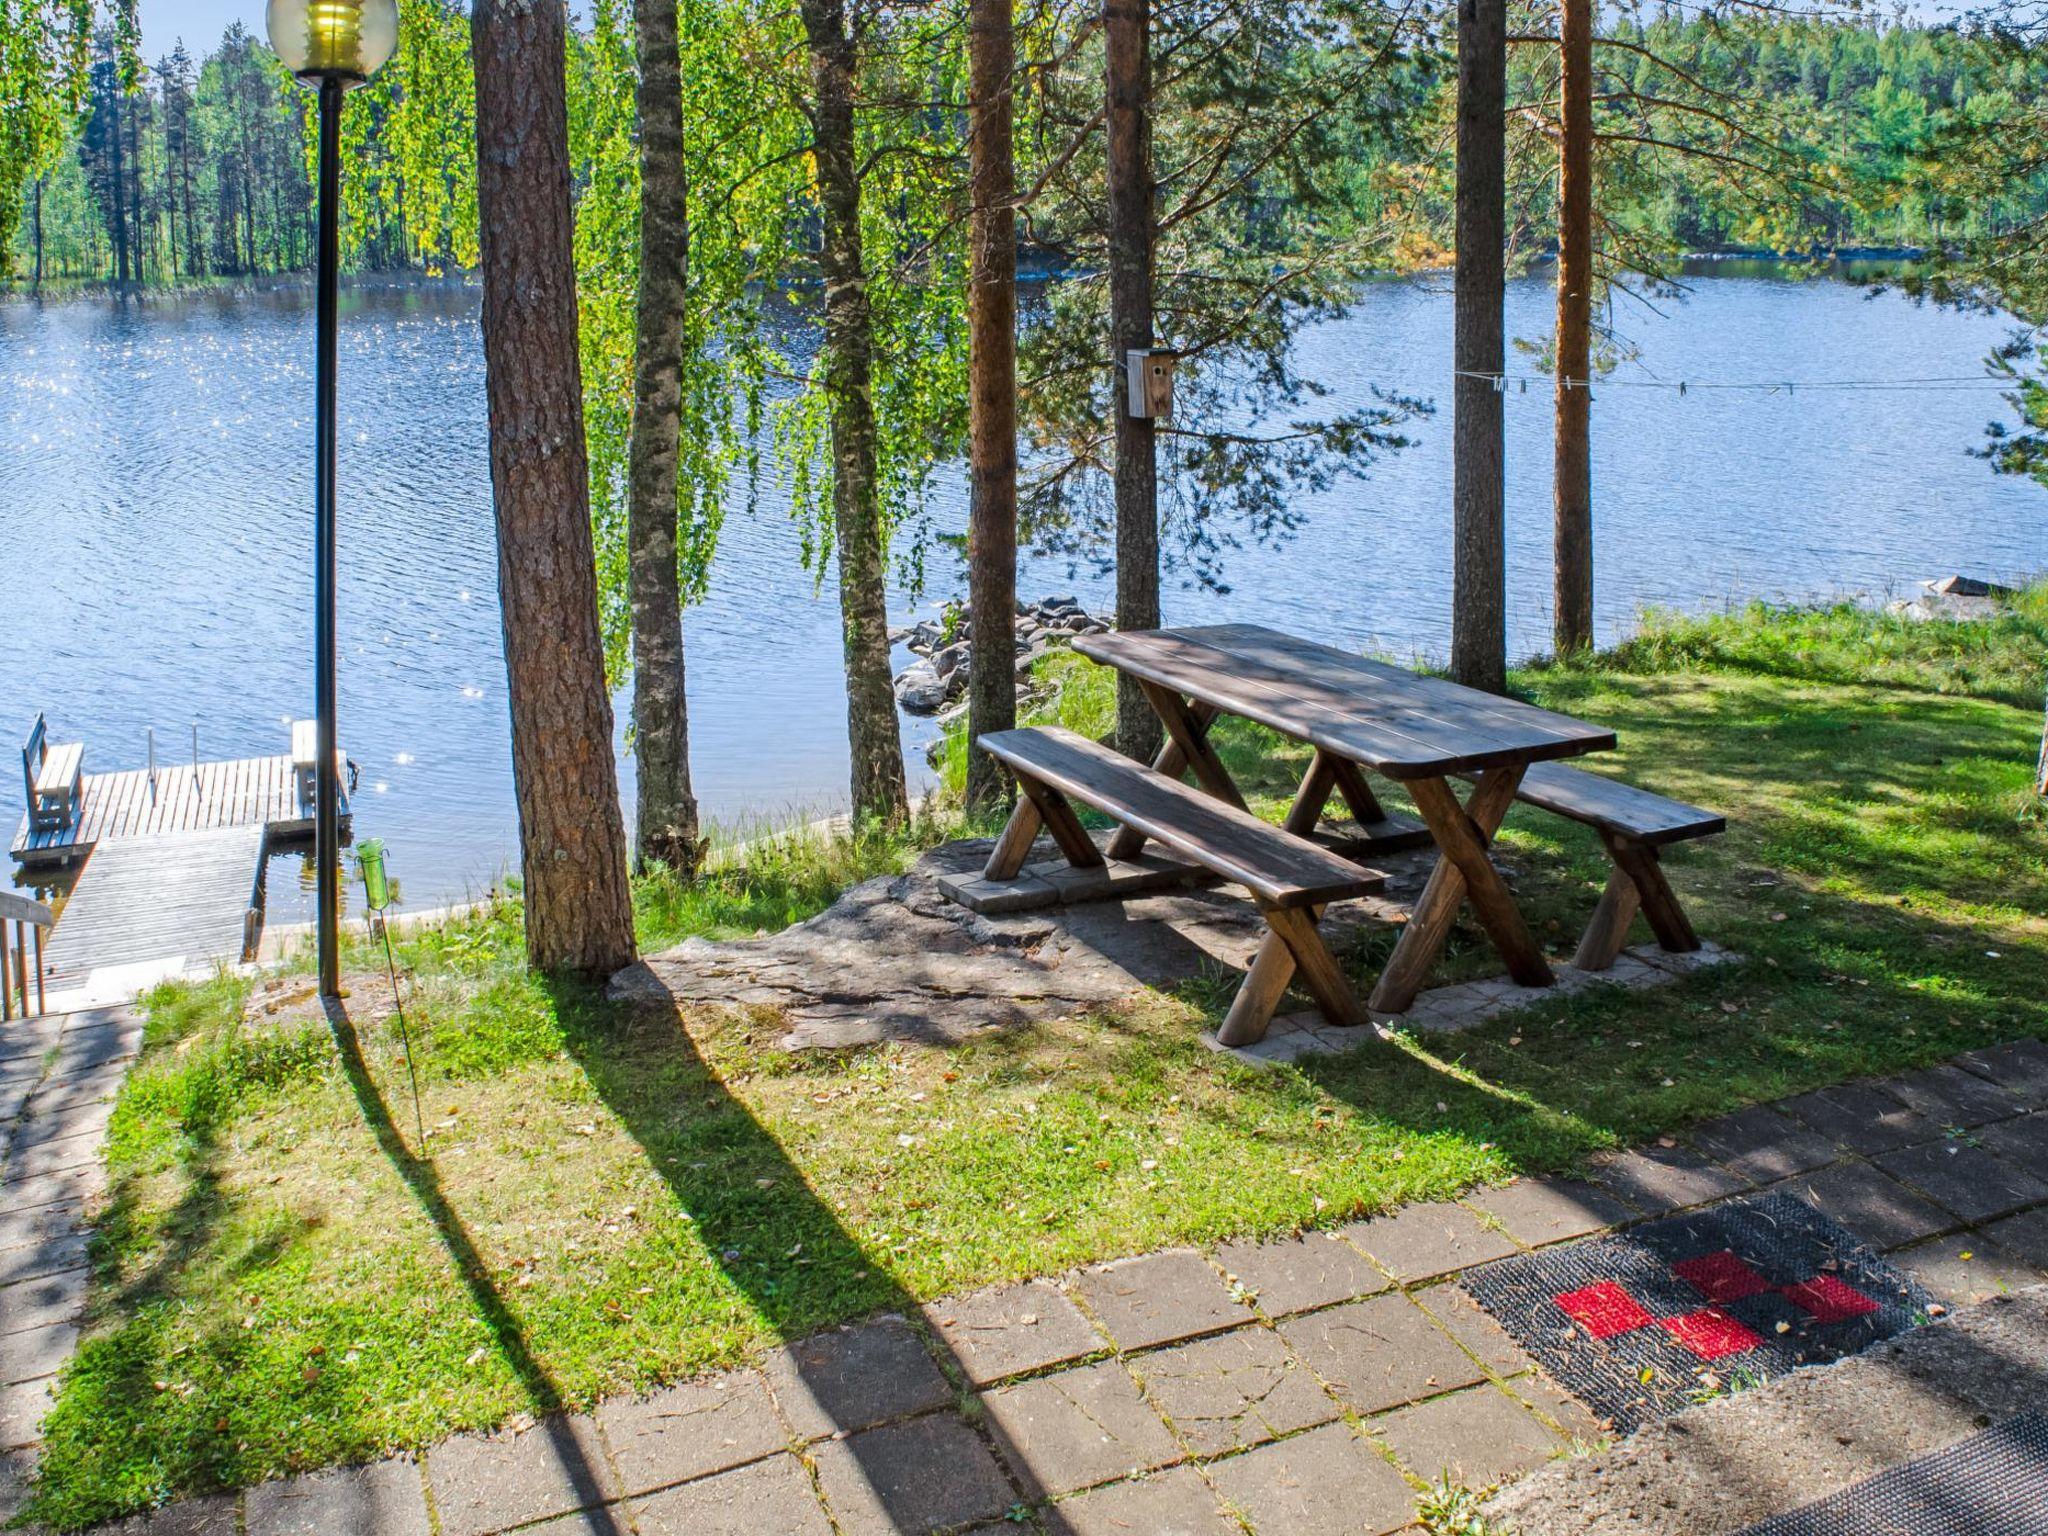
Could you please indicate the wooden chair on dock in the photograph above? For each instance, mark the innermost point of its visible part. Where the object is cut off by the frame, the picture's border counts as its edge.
(53, 778)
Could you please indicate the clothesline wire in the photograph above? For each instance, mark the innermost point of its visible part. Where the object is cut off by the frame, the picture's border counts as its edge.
(1948, 382)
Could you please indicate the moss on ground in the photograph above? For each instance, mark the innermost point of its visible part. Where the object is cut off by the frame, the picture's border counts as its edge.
(611, 1200)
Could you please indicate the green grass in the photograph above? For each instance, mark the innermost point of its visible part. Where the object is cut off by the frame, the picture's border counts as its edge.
(612, 1199)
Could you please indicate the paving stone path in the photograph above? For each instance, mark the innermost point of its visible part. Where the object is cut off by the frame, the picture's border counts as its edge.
(1286, 1388)
(58, 1076)
(897, 959)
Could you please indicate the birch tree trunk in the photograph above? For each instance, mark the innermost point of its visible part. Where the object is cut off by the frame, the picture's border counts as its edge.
(1573, 486)
(991, 394)
(572, 839)
(873, 735)
(668, 831)
(1479, 562)
(1127, 58)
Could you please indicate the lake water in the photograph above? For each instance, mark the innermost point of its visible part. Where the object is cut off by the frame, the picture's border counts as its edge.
(156, 526)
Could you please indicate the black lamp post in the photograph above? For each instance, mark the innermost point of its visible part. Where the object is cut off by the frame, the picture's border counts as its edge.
(335, 45)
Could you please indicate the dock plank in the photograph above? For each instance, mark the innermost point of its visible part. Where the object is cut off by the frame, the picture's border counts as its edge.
(181, 895)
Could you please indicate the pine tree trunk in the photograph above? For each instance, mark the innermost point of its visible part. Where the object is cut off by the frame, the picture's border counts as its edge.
(38, 220)
(992, 394)
(1478, 453)
(668, 830)
(1127, 57)
(1573, 486)
(873, 735)
(572, 839)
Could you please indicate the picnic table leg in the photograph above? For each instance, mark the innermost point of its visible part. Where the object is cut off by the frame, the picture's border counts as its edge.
(1291, 944)
(1060, 821)
(1462, 873)
(1666, 917)
(1316, 787)
(1608, 929)
(1014, 846)
(1366, 809)
(1171, 761)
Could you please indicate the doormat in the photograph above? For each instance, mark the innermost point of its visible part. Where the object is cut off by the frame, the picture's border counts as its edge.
(1993, 1484)
(1642, 1324)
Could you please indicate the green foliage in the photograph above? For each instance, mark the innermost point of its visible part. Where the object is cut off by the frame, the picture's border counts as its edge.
(43, 61)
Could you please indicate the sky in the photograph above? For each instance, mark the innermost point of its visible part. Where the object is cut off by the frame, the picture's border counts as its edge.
(199, 22)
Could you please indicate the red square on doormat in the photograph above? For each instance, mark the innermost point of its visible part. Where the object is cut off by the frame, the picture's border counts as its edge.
(1604, 1310)
(1711, 1333)
(1830, 1300)
(1720, 1276)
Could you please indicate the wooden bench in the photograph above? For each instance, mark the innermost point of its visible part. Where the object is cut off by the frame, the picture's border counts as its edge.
(1290, 878)
(1634, 824)
(53, 777)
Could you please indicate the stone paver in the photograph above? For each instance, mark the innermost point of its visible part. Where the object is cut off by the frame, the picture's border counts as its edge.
(382, 1499)
(1160, 1299)
(36, 1226)
(1565, 1411)
(1538, 1211)
(37, 1352)
(2020, 1066)
(483, 1483)
(1763, 1145)
(1232, 1391)
(1966, 1180)
(1861, 1118)
(1017, 1328)
(906, 1479)
(1424, 1241)
(1077, 1428)
(1471, 1325)
(768, 1498)
(212, 1516)
(2025, 1235)
(1479, 1437)
(1876, 1208)
(47, 1299)
(2023, 1142)
(1660, 1179)
(854, 1378)
(1380, 1353)
(22, 1406)
(1965, 1269)
(690, 1430)
(1300, 1273)
(1327, 1482)
(1950, 1096)
(1172, 1503)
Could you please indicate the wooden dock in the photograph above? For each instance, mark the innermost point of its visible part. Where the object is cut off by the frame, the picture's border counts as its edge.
(172, 868)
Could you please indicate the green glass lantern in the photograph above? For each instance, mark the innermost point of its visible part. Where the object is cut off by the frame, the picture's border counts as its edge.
(376, 880)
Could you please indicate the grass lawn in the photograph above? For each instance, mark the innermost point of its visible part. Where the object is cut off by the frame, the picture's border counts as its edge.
(608, 1200)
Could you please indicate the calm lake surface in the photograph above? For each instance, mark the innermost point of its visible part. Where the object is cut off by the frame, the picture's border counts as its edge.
(156, 527)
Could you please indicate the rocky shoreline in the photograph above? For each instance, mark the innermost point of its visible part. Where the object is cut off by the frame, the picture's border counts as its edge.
(936, 684)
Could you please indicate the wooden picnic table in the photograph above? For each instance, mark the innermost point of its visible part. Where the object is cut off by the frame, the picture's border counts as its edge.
(1361, 714)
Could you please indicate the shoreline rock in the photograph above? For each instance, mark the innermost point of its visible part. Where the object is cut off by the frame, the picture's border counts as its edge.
(937, 682)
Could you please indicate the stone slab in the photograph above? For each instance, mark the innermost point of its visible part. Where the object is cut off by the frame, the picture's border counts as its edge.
(1877, 1209)
(36, 1352)
(1423, 1241)
(381, 1499)
(1012, 1330)
(1763, 1144)
(1861, 1118)
(1480, 1438)
(22, 1407)
(767, 1498)
(1327, 1482)
(1077, 1428)
(40, 1225)
(1236, 1390)
(42, 1301)
(2023, 1142)
(70, 1186)
(854, 1378)
(1161, 1298)
(1175, 1502)
(2025, 1235)
(2020, 1066)
(1566, 1412)
(1964, 1179)
(211, 1516)
(1967, 1268)
(1297, 1274)
(1799, 1438)
(1535, 1212)
(483, 1483)
(907, 1479)
(1380, 1353)
(1474, 1329)
(1660, 1179)
(691, 1430)
(1949, 1096)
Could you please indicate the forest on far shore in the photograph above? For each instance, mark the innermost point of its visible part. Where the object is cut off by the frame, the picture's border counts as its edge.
(188, 169)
